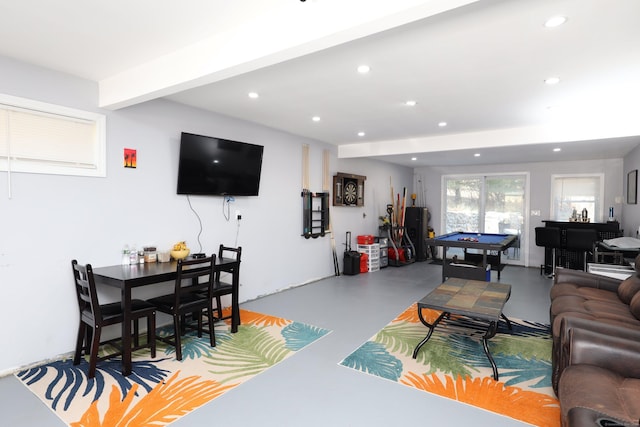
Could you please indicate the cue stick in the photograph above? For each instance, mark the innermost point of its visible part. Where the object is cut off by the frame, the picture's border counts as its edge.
(325, 185)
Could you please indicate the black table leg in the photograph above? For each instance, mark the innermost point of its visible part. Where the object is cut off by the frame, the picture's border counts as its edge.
(507, 321)
(491, 331)
(126, 331)
(235, 308)
(431, 328)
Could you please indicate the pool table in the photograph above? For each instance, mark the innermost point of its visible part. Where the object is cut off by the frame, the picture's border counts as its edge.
(485, 242)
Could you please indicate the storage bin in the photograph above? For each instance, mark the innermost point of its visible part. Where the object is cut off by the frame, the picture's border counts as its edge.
(366, 239)
(372, 253)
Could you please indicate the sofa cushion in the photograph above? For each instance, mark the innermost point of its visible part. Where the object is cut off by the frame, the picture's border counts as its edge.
(628, 288)
(600, 390)
(572, 289)
(580, 304)
(611, 312)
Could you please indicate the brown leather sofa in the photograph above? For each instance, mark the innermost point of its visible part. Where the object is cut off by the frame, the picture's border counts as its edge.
(600, 383)
(599, 299)
(596, 345)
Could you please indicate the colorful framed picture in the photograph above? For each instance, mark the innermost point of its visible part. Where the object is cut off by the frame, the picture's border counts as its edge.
(130, 158)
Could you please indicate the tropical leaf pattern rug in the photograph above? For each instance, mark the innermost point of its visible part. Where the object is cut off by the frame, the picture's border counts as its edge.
(455, 366)
(161, 390)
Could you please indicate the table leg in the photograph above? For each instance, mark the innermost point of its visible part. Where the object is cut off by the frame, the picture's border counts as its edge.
(491, 331)
(484, 262)
(126, 331)
(444, 263)
(431, 328)
(507, 321)
(235, 309)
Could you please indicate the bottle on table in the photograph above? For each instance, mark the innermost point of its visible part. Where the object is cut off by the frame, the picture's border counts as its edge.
(125, 255)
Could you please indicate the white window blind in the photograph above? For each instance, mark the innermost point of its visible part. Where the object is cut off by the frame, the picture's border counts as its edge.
(577, 192)
(43, 138)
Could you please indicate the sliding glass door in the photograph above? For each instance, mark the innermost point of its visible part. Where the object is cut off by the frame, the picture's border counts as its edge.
(487, 204)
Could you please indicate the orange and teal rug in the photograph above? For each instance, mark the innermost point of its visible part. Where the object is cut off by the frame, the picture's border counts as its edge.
(455, 366)
(161, 390)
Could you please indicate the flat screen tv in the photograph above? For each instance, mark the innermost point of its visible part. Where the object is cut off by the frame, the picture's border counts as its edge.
(218, 167)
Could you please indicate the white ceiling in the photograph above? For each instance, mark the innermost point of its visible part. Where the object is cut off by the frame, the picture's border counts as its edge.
(478, 65)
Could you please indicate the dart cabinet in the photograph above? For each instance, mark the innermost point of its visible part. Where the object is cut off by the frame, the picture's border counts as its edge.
(348, 189)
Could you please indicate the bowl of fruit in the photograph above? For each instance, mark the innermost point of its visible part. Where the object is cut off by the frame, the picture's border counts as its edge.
(180, 251)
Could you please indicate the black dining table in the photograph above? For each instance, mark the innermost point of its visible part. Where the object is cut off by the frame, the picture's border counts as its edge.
(127, 277)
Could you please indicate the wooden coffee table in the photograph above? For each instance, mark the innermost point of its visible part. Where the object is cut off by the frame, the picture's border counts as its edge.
(474, 304)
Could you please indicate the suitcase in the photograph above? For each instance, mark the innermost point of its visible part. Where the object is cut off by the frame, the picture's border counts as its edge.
(351, 264)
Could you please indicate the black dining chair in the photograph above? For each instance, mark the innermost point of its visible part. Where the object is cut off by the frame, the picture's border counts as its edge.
(221, 288)
(191, 296)
(95, 316)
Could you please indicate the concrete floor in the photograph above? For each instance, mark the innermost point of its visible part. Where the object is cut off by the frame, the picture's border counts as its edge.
(310, 389)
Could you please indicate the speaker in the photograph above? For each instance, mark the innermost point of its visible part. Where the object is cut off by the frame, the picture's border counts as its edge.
(416, 222)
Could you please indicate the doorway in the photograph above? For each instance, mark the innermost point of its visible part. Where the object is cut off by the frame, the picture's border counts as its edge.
(487, 204)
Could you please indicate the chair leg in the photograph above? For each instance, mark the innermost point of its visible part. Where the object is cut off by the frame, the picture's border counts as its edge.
(584, 264)
(93, 355)
(151, 333)
(88, 339)
(136, 333)
(553, 265)
(177, 331)
(219, 307)
(212, 332)
(80, 342)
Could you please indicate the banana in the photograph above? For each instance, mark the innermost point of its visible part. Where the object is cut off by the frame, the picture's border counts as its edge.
(180, 246)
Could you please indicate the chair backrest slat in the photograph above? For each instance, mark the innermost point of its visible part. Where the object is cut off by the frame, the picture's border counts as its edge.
(235, 253)
(86, 291)
(194, 274)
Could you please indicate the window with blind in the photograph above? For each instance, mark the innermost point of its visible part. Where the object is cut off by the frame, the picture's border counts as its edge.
(37, 137)
(569, 192)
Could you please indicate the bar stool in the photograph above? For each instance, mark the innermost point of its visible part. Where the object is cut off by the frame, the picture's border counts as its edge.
(583, 240)
(549, 238)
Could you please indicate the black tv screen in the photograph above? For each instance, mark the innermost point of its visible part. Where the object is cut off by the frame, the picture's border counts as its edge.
(218, 167)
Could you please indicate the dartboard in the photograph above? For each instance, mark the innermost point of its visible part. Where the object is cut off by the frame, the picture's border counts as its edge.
(350, 193)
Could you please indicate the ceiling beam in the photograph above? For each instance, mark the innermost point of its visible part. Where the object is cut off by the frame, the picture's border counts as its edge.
(264, 41)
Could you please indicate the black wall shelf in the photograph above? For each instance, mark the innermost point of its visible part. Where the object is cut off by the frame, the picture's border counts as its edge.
(315, 214)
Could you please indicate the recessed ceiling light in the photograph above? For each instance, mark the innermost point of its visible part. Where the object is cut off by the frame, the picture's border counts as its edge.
(411, 103)
(253, 95)
(364, 69)
(557, 149)
(316, 118)
(555, 21)
(442, 124)
(476, 155)
(552, 80)
(361, 134)
(414, 159)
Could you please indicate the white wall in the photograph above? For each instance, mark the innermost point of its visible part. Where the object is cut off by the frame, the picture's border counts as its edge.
(50, 220)
(540, 187)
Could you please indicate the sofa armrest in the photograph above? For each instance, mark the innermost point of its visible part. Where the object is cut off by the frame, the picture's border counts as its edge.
(582, 278)
(615, 349)
(562, 346)
(624, 332)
